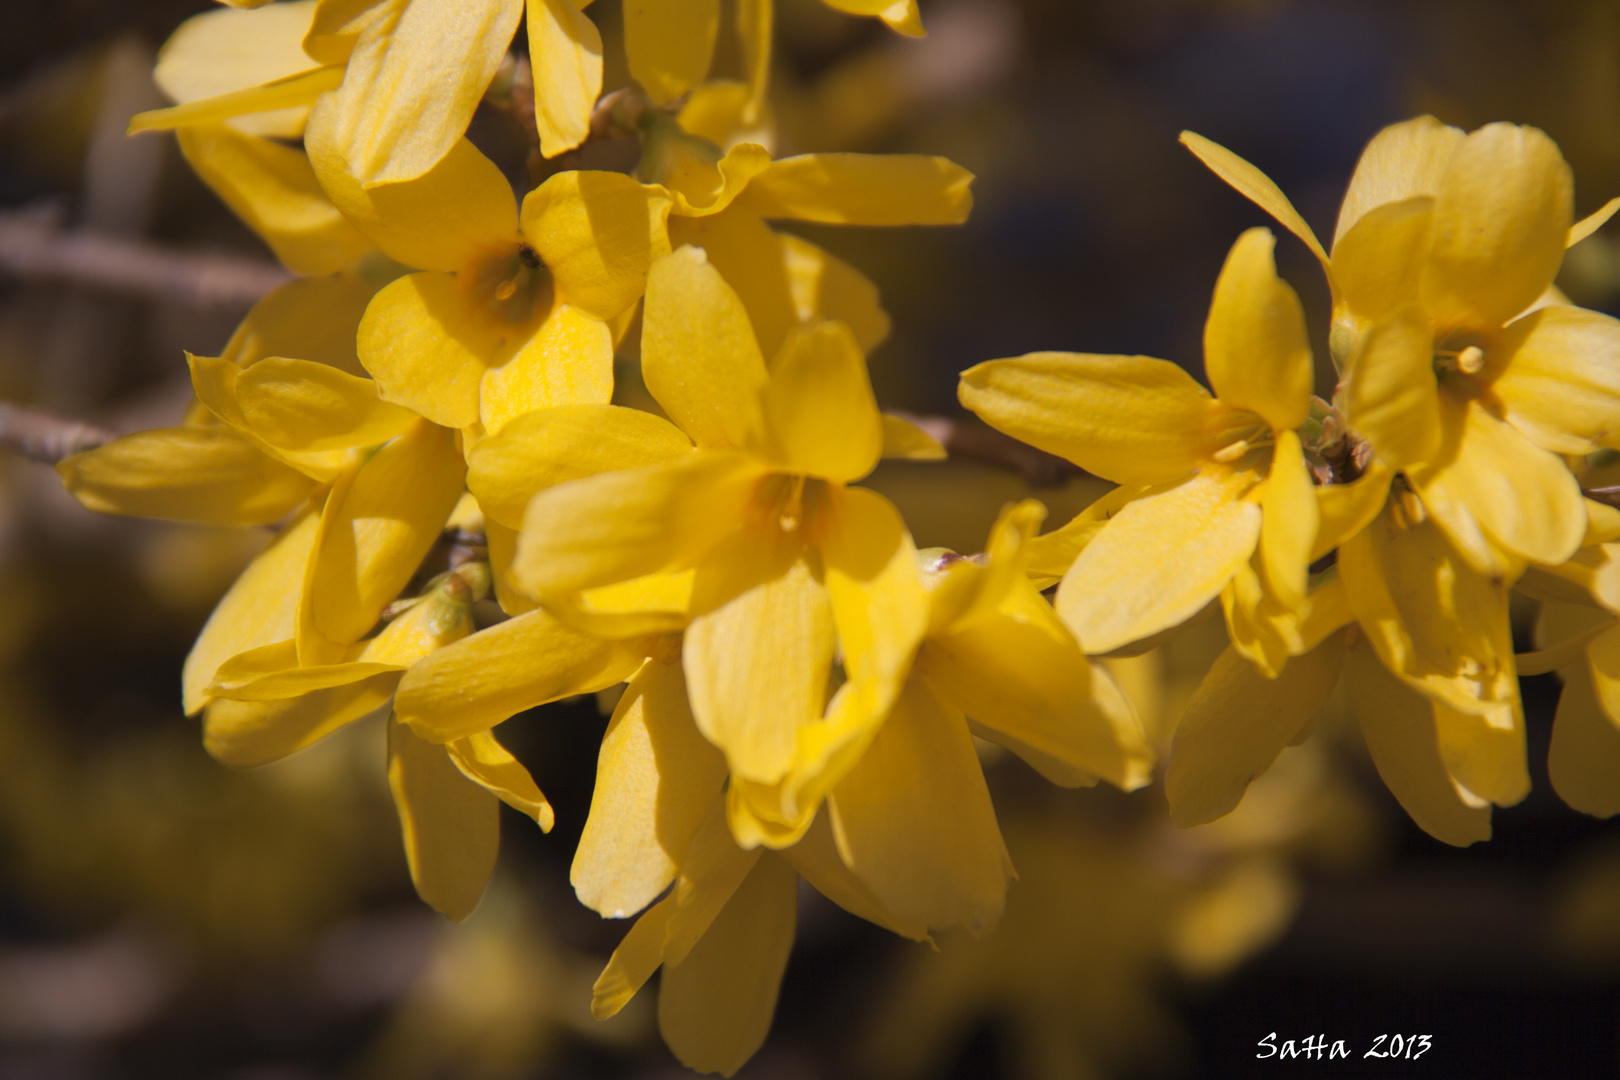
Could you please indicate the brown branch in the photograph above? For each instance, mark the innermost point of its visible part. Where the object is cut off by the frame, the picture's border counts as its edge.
(33, 245)
(1608, 496)
(47, 439)
(973, 439)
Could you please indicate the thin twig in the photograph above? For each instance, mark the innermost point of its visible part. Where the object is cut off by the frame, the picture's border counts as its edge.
(1608, 496)
(33, 246)
(972, 439)
(47, 439)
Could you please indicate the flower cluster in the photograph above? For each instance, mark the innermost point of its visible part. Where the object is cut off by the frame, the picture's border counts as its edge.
(466, 524)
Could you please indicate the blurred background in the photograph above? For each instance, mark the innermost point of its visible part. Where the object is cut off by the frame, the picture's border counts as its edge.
(164, 917)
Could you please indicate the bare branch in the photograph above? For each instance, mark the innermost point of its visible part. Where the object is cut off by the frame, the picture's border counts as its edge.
(33, 245)
(973, 439)
(47, 439)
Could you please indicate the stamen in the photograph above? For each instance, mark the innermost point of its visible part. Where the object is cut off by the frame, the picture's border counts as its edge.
(506, 289)
(1471, 360)
(1232, 451)
(793, 509)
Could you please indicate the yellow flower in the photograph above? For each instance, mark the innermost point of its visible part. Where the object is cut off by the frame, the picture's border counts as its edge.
(1457, 372)
(1216, 497)
(510, 311)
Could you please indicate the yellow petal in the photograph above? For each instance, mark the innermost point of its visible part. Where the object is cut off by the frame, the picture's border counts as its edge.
(258, 610)
(479, 681)
(638, 955)
(749, 255)
(492, 767)
(565, 50)
(301, 405)
(1255, 185)
(1559, 378)
(715, 1006)
(1256, 353)
(1158, 561)
(1260, 628)
(568, 361)
(273, 100)
(215, 381)
(1603, 666)
(549, 446)
(1484, 752)
(274, 191)
(502, 545)
(626, 524)
(1391, 395)
(757, 666)
(1237, 723)
(862, 189)
(1592, 222)
(337, 25)
(450, 825)
(905, 441)
(655, 604)
(669, 45)
(1403, 161)
(821, 418)
(244, 734)
(1524, 498)
(825, 286)
(1289, 523)
(1501, 216)
(913, 819)
(1378, 265)
(711, 871)
(271, 673)
(442, 220)
(816, 859)
(1129, 419)
(656, 779)
(597, 232)
(1584, 758)
(311, 319)
(402, 106)
(427, 342)
(211, 476)
(1398, 725)
(754, 25)
(220, 51)
(698, 354)
(1345, 509)
(699, 184)
(376, 530)
(1051, 554)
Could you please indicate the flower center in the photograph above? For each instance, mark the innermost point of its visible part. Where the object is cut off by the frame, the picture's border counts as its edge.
(515, 286)
(792, 504)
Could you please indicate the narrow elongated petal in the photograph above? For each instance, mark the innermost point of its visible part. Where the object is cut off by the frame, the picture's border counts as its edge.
(757, 667)
(1501, 215)
(259, 609)
(216, 383)
(1585, 754)
(698, 353)
(427, 341)
(245, 734)
(633, 962)
(626, 524)
(715, 1006)
(913, 819)
(300, 405)
(1403, 161)
(1288, 527)
(754, 25)
(1603, 668)
(568, 361)
(1484, 752)
(862, 189)
(1391, 394)
(442, 220)
(1256, 353)
(1398, 725)
(1256, 186)
(597, 232)
(1557, 374)
(479, 681)
(376, 531)
(548, 446)
(221, 51)
(1592, 222)
(565, 51)
(816, 859)
(1051, 554)
(210, 476)
(1020, 675)
(402, 106)
(492, 767)
(273, 99)
(274, 191)
(669, 45)
(1524, 497)
(824, 286)
(905, 441)
(1129, 419)
(821, 418)
(1158, 561)
(451, 826)
(502, 546)
(271, 673)
(749, 255)
(656, 778)
(1236, 725)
